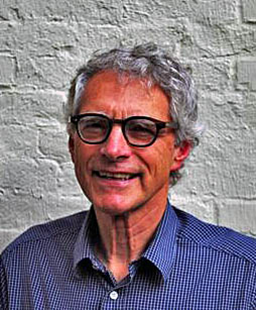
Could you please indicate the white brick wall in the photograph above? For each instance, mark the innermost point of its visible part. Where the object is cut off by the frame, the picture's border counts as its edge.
(41, 45)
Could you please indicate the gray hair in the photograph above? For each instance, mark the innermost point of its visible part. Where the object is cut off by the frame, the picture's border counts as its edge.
(147, 61)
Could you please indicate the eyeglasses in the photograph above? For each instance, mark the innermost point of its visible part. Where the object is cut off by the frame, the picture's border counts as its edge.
(139, 131)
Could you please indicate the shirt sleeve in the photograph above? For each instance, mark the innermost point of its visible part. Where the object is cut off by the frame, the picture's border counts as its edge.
(3, 287)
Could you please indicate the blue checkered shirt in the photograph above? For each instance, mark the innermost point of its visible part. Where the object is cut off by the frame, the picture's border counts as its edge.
(187, 265)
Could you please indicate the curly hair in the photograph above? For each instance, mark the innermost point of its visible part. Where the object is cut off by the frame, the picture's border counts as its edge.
(151, 63)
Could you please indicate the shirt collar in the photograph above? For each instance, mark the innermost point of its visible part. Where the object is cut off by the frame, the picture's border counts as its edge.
(162, 250)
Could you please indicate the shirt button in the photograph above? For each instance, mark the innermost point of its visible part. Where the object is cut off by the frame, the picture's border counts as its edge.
(113, 295)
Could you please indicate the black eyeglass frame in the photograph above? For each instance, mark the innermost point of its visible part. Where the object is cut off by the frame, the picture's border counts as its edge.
(159, 125)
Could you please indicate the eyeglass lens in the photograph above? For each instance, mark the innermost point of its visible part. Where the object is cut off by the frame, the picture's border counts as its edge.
(95, 129)
(140, 131)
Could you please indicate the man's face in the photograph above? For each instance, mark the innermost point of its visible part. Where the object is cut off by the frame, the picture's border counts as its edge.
(115, 176)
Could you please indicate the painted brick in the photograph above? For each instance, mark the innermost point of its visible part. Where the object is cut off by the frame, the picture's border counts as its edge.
(27, 186)
(53, 144)
(97, 12)
(20, 210)
(244, 40)
(212, 13)
(7, 37)
(249, 112)
(243, 215)
(67, 205)
(7, 236)
(212, 74)
(70, 196)
(8, 70)
(246, 72)
(173, 30)
(32, 108)
(117, 12)
(37, 39)
(66, 181)
(249, 10)
(28, 176)
(202, 209)
(91, 38)
(18, 139)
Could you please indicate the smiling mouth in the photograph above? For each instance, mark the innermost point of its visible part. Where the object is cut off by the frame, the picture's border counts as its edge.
(116, 176)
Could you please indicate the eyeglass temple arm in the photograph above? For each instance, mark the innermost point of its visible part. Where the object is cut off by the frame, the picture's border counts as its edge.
(172, 125)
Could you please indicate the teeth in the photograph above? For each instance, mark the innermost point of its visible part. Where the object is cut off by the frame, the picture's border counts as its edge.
(122, 176)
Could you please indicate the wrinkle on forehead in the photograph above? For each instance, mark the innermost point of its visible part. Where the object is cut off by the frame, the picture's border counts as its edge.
(127, 95)
(124, 79)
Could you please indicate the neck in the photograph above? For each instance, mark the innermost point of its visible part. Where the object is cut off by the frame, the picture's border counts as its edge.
(125, 237)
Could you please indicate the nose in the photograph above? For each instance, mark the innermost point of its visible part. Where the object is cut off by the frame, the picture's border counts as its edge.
(116, 147)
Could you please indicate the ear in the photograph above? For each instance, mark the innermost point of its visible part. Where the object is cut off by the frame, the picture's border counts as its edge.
(71, 147)
(181, 152)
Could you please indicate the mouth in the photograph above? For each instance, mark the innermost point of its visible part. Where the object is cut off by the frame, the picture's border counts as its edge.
(116, 175)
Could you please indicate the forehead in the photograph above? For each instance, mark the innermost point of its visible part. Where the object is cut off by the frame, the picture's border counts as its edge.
(132, 95)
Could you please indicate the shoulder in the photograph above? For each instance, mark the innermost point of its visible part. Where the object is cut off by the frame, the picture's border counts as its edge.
(215, 238)
(47, 232)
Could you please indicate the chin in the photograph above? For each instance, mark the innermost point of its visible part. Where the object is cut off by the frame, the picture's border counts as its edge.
(114, 207)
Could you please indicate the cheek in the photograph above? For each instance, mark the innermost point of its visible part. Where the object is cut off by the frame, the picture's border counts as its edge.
(82, 160)
(83, 152)
(159, 161)
(82, 157)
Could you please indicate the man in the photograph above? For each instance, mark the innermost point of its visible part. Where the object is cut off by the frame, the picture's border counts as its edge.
(132, 123)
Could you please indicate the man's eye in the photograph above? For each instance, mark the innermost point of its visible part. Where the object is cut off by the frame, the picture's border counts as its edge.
(92, 125)
(140, 128)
